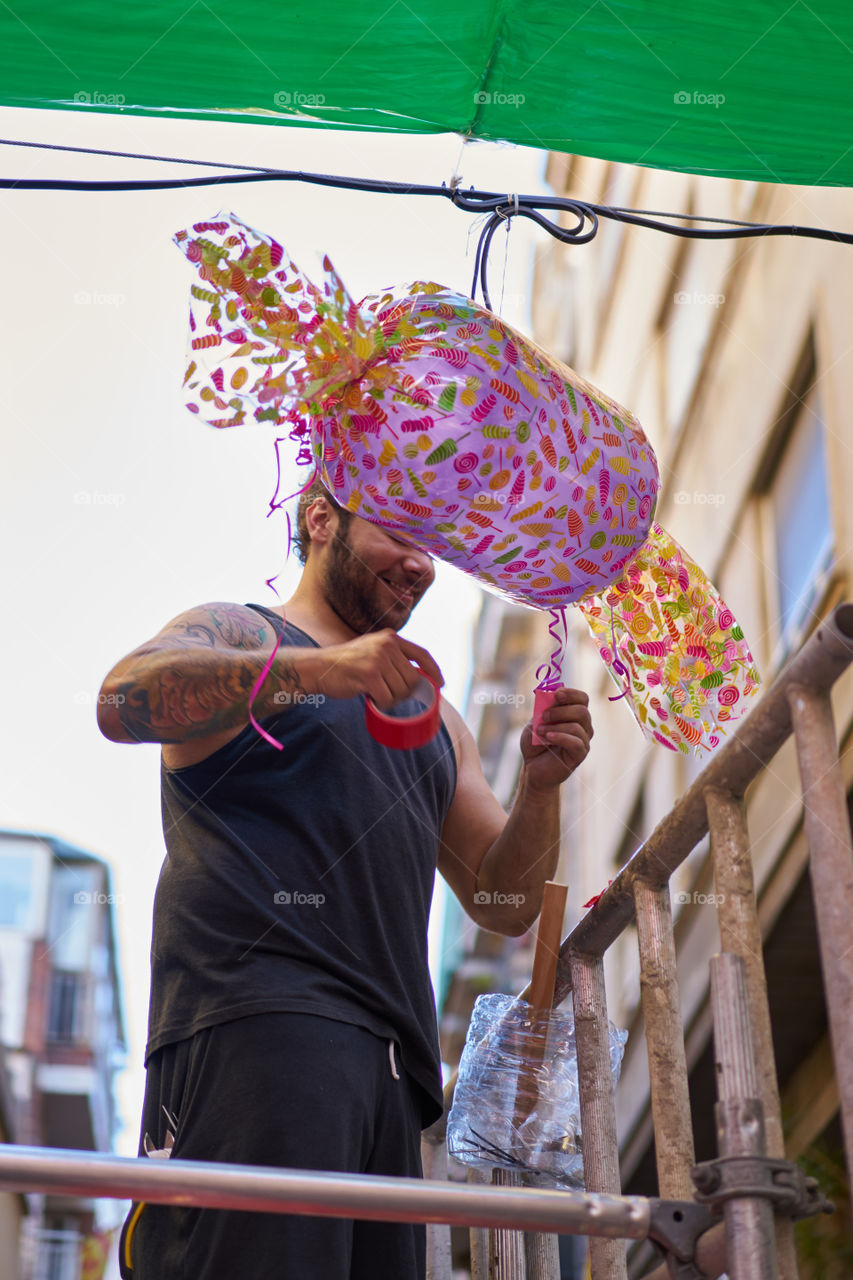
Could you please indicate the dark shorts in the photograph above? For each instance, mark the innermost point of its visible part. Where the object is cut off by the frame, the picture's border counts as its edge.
(291, 1090)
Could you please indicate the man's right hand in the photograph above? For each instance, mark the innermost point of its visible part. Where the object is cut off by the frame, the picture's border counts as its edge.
(378, 664)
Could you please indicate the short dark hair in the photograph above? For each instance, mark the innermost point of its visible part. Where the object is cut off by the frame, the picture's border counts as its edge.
(302, 538)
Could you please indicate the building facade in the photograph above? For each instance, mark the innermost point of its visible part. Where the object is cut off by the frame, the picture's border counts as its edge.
(61, 1028)
(734, 355)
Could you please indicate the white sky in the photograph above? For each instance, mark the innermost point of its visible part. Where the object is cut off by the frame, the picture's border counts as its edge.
(119, 510)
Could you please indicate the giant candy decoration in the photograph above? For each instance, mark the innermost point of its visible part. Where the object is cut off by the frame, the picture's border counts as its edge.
(426, 414)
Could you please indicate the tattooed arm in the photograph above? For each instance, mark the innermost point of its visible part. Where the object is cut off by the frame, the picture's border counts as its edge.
(195, 677)
(193, 680)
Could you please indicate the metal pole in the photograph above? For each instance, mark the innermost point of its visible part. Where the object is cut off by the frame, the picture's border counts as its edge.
(831, 868)
(598, 1111)
(326, 1195)
(438, 1259)
(506, 1247)
(478, 1237)
(740, 933)
(543, 1256)
(740, 1122)
(670, 1095)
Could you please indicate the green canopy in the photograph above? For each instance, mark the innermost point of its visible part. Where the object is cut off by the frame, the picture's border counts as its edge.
(734, 88)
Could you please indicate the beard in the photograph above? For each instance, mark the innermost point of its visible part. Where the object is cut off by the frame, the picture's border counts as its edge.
(355, 593)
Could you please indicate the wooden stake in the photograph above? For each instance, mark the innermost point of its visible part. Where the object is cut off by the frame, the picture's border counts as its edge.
(548, 939)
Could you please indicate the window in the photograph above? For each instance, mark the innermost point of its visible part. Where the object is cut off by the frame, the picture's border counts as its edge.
(800, 520)
(24, 869)
(69, 1011)
(73, 915)
(16, 890)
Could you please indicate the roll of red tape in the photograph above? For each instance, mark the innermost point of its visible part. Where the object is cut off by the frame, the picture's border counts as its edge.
(404, 732)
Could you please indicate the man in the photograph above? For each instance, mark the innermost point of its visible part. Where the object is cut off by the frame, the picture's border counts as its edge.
(292, 1019)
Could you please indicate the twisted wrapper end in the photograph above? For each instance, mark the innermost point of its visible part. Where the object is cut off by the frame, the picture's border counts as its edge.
(673, 647)
(265, 341)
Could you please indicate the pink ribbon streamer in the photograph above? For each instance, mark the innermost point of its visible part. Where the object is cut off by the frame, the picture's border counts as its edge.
(618, 667)
(550, 674)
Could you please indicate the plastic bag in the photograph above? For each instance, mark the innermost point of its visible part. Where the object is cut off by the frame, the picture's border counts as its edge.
(516, 1104)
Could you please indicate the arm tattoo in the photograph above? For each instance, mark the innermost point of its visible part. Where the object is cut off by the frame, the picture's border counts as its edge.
(198, 681)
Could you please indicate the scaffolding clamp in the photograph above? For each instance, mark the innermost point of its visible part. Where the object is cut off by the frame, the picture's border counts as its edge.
(675, 1227)
(790, 1191)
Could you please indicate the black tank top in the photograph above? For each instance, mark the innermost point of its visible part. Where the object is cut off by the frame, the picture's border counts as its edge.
(301, 879)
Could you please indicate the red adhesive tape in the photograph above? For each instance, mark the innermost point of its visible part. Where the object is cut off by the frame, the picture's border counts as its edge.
(404, 732)
(542, 700)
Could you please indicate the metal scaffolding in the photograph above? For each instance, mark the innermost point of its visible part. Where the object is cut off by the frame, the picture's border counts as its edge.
(733, 1213)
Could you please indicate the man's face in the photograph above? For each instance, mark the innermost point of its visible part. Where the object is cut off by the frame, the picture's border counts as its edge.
(372, 579)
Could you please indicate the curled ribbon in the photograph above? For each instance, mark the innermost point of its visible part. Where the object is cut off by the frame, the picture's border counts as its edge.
(550, 675)
(618, 667)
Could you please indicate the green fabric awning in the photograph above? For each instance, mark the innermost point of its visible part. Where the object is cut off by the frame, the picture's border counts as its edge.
(740, 90)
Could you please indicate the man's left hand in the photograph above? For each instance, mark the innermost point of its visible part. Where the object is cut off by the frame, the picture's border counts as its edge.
(567, 728)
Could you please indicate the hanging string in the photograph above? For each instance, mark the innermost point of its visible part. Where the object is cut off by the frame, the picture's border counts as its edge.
(492, 203)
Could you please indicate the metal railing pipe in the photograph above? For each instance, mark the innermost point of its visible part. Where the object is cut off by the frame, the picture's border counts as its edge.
(507, 1260)
(439, 1265)
(740, 933)
(827, 827)
(206, 1185)
(670, 1093)
(740, 1120)
(598, 1111)
(543, 1256)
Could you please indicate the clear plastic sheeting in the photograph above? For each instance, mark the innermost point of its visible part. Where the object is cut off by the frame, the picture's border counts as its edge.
(516, 1103)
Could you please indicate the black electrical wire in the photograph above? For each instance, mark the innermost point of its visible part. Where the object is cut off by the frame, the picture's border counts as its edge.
(498, 205)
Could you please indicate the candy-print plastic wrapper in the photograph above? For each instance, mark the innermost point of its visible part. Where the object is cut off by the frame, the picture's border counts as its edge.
(427, 415)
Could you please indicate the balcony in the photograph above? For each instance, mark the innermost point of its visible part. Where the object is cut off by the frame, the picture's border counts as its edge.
(69, 1019)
